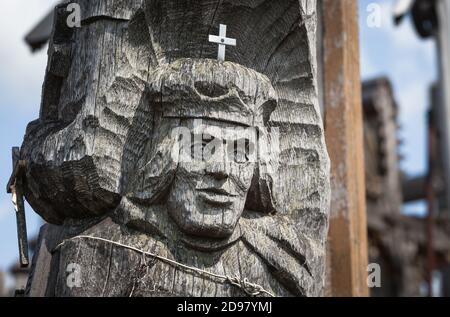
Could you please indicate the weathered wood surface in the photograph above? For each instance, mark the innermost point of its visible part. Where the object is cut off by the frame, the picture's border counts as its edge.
(100, 154)
(347, 257)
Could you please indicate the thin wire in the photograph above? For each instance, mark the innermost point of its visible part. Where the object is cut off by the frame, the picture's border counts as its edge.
(249, 288)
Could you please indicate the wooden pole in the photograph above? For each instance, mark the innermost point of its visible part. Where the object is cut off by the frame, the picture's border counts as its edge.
(431, 206)
(344, 133)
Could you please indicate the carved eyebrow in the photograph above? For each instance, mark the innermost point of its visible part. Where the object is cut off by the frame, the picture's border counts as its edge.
(208, 137)
(247, 141)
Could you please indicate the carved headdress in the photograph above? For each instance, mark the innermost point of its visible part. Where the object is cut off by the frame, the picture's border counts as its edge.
(206, 88)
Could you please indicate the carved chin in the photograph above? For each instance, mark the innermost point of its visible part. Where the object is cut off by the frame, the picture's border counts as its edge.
(206, 218)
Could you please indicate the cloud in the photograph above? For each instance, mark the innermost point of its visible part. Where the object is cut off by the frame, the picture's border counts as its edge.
(414, 100)
(22, 72)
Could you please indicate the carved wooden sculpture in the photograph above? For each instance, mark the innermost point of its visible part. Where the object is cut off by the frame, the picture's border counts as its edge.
(132, 102)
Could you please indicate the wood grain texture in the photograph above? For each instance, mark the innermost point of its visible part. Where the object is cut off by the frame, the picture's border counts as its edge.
(100, 154)
(344, 132)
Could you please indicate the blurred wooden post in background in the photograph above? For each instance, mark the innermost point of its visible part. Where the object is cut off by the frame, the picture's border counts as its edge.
(348, 255)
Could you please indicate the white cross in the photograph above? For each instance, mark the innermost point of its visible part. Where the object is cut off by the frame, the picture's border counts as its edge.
(223, 41)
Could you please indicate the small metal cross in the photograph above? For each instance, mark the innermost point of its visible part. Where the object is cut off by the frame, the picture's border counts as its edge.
(223, 41)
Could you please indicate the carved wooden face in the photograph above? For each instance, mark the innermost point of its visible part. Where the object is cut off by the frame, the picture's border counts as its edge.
(209, 191)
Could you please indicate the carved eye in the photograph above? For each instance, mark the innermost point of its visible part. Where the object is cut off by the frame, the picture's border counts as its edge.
(198, 149)
(241, 150)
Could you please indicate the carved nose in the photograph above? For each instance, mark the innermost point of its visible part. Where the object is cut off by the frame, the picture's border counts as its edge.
(217, 170)
(220, 175)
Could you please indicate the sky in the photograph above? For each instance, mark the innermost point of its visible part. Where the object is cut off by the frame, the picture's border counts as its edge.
(395, 52)
(410, 63)
(21, 77)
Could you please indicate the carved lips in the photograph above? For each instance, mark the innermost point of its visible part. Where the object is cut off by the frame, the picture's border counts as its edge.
(217, 196)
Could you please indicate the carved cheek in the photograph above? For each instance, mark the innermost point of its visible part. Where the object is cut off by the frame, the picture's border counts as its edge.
(190, 173)
(243, 174)
(194, 168)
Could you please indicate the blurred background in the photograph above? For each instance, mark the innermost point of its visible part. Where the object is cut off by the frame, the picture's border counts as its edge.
(21, 76)
(404, 71)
